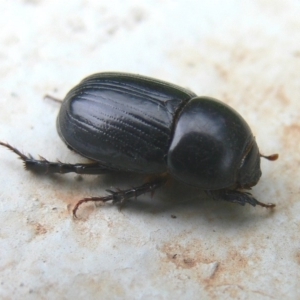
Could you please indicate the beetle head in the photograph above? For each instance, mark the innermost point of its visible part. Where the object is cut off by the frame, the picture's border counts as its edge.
(249, 172)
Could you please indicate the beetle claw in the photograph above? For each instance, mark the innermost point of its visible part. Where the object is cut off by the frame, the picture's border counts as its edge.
(120, 197)
(238, 197)
(91, 199)
(16, 151)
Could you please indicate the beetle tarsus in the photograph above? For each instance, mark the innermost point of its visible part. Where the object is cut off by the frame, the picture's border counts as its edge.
(238, 197)
(16, 151)
(267, 205)
(43, 166)
(120, 197)
(91, 199)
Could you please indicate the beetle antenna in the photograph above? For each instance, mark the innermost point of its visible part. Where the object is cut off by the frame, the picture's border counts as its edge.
(267, 205)
(271, 157)
(49, 97)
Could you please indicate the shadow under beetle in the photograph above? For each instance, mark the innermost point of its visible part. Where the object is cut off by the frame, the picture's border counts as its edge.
(125, 122)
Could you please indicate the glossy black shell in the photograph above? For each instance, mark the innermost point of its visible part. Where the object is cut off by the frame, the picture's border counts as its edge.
(211, 145)
(139, 124)
(123, 121)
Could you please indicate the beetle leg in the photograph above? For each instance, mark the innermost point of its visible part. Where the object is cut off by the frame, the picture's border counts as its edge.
(237, 197)
(121, 196)
(53, 98)
(44, 166)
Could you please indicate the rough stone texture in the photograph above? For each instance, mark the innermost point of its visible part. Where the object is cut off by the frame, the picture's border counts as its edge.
(246, 53)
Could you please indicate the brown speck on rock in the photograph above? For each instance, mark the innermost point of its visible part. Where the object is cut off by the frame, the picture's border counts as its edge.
(189, 262)
(298, 258)
(40, 229)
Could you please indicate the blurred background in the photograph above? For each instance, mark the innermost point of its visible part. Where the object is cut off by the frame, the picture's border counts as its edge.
(179, 244)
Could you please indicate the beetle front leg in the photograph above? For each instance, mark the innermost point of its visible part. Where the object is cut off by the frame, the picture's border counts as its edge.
(237, 197)
(121, 196)
(46, 167)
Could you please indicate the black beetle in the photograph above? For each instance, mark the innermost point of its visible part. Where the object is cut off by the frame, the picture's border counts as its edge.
(126, 122)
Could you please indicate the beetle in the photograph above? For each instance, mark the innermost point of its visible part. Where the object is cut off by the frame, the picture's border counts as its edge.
(126, 122)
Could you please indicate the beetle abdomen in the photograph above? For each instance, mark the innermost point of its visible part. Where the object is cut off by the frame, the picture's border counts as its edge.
(123, 121)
